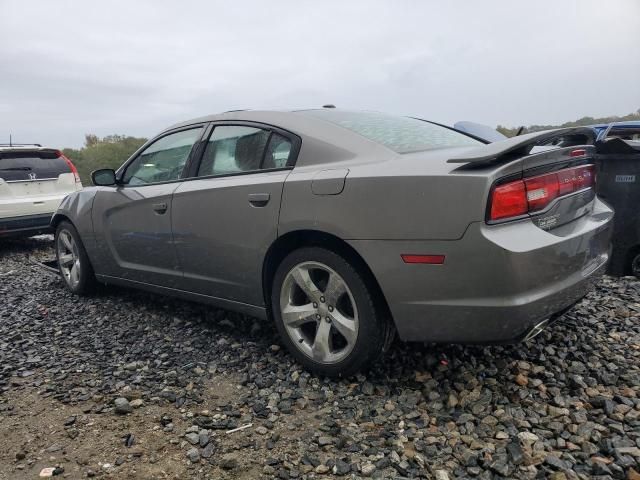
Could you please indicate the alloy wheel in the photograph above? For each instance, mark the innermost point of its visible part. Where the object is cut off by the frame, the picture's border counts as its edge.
(319, 312)
(68, 258)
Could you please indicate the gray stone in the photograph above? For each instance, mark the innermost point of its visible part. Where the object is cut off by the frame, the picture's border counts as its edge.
(322, 441)
(367, 469)
(555, 462)
(122, 406)
(229, 461)
(208, 450)
(441, 475)
(193, 455)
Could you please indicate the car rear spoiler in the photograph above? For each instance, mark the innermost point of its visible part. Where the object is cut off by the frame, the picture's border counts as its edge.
(523, 144)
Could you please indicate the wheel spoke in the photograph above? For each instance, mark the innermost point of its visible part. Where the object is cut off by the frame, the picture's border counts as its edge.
(320, 348)
(66, 259)
(346, 326)
(75, 273)
(303, 280)
(296, 315)
(335, 289)
(66, 240)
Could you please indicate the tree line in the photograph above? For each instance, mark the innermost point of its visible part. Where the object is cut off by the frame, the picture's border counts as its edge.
(106, 152)
(511, 131)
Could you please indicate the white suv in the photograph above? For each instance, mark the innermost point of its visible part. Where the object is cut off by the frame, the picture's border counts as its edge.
(33, 182)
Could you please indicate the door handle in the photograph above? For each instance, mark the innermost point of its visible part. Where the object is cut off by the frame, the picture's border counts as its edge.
(259, 199)
(160, 208)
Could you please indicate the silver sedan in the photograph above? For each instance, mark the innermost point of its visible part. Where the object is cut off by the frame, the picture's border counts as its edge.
(346, 227)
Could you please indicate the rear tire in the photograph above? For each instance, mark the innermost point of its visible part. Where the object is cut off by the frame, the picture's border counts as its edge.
(635, 265)
(325, 313)
(73, 261)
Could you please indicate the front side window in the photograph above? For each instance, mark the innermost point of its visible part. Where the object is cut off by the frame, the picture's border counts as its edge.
(163, 160)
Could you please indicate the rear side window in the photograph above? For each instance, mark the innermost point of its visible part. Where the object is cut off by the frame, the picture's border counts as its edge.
(31, 165)
(400, 134)
(237, 148)
(279, 152)
(233, 149)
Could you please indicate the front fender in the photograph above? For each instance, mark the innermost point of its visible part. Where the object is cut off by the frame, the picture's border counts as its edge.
(76, 208)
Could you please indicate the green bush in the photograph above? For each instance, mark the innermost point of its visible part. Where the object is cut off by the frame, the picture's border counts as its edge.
(107, 152)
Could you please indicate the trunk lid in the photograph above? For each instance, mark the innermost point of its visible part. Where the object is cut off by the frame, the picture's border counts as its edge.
(566, 163)
(552, 171)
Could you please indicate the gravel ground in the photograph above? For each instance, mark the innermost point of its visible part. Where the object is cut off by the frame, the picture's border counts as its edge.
(130, 385)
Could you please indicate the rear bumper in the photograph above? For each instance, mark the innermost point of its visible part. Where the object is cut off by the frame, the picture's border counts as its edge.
(497, 282)
(25, 225)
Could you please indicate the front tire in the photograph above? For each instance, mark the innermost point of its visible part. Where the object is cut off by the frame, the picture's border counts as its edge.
(73, 262)
(325, 313)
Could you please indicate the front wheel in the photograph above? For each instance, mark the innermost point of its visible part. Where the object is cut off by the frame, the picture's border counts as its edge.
(73, 262)
(325, 313)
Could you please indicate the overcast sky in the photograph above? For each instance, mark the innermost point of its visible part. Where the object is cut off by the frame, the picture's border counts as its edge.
(72, 67)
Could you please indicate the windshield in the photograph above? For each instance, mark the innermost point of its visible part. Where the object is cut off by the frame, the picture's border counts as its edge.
(400, 134)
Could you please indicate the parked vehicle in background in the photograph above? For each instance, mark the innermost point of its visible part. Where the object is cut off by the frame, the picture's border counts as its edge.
(345, 226)
(33, 182)
(618, 174)
(628, 131)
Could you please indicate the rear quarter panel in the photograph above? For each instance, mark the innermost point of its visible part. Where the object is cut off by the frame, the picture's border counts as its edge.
(400, 197)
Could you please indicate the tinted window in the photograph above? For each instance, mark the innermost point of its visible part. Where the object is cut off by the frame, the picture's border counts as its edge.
(400, 134)
(278, 153)
(232, 149)
(16, 166)
(163, 160)
(625, 133)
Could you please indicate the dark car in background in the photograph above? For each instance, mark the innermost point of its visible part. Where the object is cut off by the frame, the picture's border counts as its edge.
(344, 227)
(618, 183)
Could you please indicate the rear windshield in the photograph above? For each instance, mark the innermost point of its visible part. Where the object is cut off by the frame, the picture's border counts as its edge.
(400, 134)
(625, 133)
(17, 166)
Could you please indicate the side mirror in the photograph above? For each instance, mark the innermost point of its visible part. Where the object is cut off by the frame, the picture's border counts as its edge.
(105, 177)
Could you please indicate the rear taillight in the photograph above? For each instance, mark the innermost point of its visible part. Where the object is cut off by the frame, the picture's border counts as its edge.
(72, 167)
(534, 194)
(509, 200)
